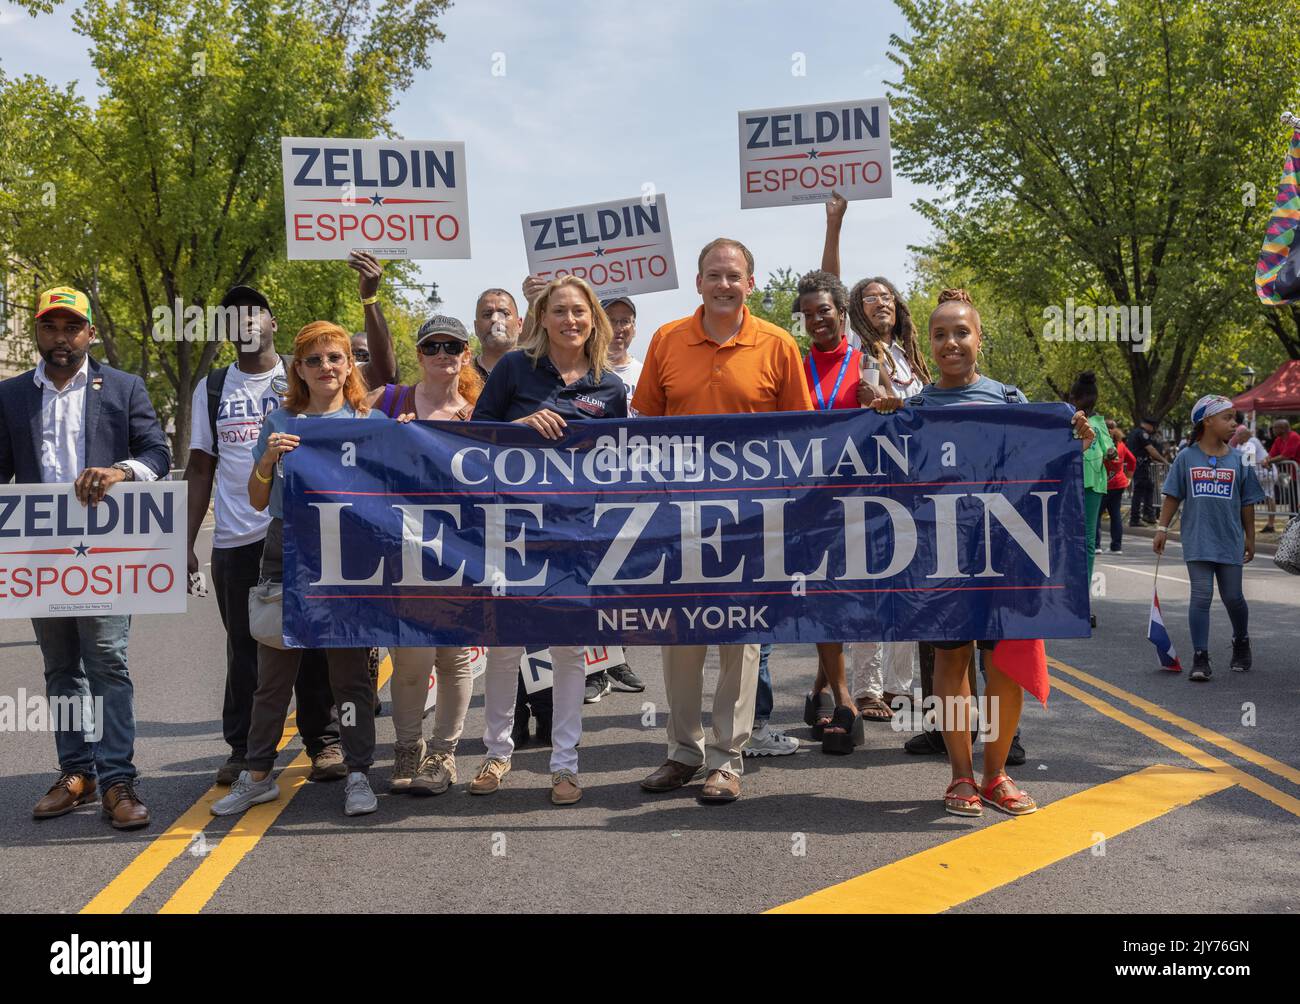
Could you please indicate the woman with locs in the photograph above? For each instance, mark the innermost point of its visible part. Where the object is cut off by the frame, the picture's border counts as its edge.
(895, 366)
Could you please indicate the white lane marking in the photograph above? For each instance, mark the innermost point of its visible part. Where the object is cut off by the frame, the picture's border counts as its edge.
(1143, 571)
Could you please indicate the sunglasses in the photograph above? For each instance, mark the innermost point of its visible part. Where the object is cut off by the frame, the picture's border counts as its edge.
(361, 355)
(333, 358)
(433, 348)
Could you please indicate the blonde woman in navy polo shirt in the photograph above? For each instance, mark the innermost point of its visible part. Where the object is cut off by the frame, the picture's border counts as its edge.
(562, 375)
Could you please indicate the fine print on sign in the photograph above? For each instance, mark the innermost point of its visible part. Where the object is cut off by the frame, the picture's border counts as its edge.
(621, 248)
(392, 198)
(793, 156)
(125, 555)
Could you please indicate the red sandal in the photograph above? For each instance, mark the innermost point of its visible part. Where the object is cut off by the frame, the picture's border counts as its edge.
(970, 803)
(1007, 803)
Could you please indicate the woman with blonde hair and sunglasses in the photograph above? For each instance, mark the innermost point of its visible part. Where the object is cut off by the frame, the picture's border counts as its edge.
(324, 382)
(562, 375)
(448, 389)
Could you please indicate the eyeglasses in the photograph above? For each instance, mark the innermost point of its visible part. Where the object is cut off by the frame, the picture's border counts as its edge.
(878, 298)
(433, 348)
(361, 355)
(334, 359)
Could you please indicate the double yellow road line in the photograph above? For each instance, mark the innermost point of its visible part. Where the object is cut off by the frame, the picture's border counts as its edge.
(934, 880)
(203, 882)
(972, 865)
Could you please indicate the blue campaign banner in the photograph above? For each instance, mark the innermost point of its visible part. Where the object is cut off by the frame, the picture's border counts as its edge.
(950, 523)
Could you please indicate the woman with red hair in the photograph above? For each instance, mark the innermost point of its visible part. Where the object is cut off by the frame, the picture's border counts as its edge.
(324, 382)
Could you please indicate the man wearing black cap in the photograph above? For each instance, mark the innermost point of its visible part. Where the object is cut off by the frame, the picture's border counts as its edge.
(226, 417)
(1147, 447)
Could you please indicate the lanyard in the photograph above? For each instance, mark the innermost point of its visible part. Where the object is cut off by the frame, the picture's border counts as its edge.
(822, 405)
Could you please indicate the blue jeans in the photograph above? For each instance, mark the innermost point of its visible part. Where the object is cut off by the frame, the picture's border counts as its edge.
(1202, 575)
(85, 658)
(763, 699)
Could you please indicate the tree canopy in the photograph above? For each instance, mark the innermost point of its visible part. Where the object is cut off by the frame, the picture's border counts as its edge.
(167, 187)
(1113, 152)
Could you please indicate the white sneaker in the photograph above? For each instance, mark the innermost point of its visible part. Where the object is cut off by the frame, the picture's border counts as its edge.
(358, 799)
(766, 741)
(245, 793)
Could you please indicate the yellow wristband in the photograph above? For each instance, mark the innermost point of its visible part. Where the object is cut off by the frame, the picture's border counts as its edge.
(366, 301)
(258, 474)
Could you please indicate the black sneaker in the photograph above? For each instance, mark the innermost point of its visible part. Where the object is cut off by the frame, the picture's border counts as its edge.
(598, 686)
(1200, 667)
(924, 743)
(1240, 654)
(228, 773)
(627, 680)
(1016, 754)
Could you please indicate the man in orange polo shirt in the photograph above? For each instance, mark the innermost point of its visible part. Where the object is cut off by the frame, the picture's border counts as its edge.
(719, 361)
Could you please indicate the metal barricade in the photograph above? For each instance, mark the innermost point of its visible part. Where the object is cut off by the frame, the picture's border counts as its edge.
(1157, 478)
(1281, 483)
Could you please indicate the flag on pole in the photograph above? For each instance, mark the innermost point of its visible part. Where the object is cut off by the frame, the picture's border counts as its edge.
(1280, 238)
(1025, 661)
(1160, 638)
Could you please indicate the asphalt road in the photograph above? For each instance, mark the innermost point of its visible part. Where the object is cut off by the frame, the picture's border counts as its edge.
(1215, 830)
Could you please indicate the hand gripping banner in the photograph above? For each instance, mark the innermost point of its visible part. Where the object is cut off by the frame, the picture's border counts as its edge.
(950, 523)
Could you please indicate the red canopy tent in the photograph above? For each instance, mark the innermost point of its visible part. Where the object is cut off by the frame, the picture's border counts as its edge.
(1279, 394)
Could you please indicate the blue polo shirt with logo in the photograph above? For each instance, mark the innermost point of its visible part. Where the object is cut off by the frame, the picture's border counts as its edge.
(1214, 490)
(517, 388)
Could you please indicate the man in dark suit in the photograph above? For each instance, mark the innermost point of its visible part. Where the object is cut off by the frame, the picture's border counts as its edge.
(72, 419)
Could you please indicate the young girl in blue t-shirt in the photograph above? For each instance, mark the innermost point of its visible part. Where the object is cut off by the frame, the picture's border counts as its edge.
(1218, 535)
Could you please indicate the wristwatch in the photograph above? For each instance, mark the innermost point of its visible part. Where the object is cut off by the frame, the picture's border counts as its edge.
(127, 470)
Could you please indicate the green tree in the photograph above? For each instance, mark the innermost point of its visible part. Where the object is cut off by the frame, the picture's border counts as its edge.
(1100, 150)
(168, 188)
(780, 286)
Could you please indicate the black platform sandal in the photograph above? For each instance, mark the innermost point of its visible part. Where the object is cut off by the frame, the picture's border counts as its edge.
(813, 704)
(840, 743)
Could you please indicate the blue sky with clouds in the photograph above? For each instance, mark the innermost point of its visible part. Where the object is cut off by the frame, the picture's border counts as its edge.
(599, 98)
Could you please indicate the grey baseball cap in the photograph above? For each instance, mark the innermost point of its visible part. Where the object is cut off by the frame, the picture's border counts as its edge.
(441, 324)
(606, 304)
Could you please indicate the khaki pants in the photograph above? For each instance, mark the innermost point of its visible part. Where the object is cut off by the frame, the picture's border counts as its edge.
(410, 689)
(733, 705)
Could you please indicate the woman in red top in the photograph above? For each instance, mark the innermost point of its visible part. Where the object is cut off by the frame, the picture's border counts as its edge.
(833, 370)
(1120, 470)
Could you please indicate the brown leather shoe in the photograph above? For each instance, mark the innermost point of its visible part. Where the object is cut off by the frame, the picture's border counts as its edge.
(123, 806)
(328, 765)
(721, 786)
(670, 776)
(68, 792)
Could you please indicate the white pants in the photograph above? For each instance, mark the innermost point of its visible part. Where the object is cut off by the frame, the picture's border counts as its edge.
(501, 684)
(410, 689)
(880, 667)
